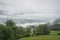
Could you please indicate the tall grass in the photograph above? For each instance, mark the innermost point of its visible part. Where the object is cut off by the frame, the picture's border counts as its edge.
(53, 36)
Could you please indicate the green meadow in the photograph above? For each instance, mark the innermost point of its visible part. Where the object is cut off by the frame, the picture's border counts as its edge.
(53, 36)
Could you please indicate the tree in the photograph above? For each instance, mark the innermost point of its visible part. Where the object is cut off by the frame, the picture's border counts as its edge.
(29, 30)
(10, 30)
(2, 32)
(6, 33)
(46, 29)
(20, 32)
(42, 30)
(10, 23)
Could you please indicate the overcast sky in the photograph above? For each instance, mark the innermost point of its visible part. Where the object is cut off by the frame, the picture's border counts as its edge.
(30, 9)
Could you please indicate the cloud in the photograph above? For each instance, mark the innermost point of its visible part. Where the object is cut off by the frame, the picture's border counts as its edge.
(3, 12)
(30, 9)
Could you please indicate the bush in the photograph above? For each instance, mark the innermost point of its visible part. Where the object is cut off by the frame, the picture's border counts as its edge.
(58, 33)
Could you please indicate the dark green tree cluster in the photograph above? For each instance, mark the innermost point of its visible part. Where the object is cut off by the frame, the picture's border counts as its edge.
(29, 30)
(3, 32)
(39, 30)
(10, 31)
(20, 32)
(43, 30)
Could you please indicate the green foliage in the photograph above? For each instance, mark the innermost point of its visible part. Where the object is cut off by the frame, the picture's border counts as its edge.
(6, 33)
(46, 29)
(10, 23)
(29, 30)
(2, 32)
(11, 32)
(42, 29)
(20, 32)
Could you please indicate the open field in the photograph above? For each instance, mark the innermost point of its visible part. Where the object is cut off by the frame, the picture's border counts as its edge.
(43, 37)
(54, 32)
(52, 36)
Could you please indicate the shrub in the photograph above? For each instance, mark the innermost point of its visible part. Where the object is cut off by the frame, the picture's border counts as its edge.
(58, 33)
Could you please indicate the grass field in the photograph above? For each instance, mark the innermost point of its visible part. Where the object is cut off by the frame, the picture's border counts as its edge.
(52, 36)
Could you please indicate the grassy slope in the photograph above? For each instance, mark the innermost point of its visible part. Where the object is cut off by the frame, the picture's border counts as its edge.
(43, 37)
(53, 36)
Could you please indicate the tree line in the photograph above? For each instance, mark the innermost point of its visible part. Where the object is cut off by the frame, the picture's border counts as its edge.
(10, 31)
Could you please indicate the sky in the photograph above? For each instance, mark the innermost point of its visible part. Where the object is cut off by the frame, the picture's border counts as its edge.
(30, 9)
